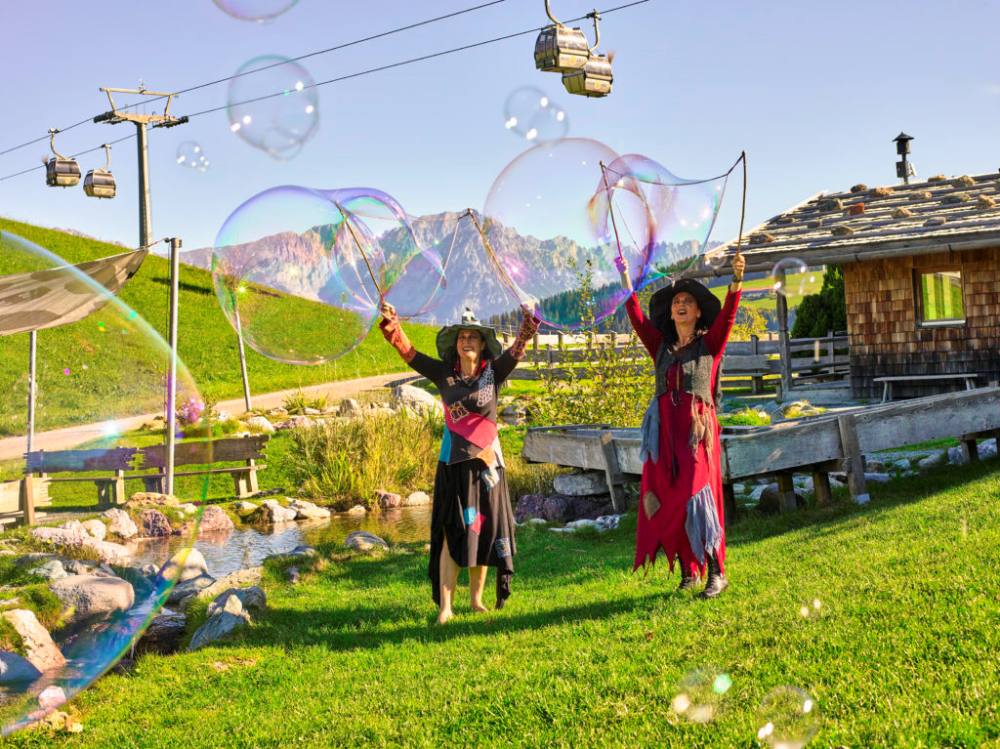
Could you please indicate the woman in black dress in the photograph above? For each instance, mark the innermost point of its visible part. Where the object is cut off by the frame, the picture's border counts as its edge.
(472, 522)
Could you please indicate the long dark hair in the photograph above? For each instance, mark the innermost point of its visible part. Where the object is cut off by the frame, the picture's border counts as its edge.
(451, 355)
(669, 330)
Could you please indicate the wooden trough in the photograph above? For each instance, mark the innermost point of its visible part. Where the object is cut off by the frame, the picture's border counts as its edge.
(817, 445)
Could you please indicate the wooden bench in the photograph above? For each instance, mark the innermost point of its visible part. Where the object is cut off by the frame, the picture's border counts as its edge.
(246, 449)
(970, 381)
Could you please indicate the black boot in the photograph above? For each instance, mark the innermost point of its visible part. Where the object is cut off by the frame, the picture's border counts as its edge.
(716, 580)
(688, 582)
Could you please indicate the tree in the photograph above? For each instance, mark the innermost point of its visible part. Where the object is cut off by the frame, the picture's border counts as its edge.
(820, 313)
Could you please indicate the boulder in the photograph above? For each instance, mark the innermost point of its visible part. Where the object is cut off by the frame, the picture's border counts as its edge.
(875, 465)
(590, 508)
(529, 507)
(296, 422)
(292, 575)
(417, 499)
(238, 601)
(260, 424)
(245, 509)
(186, 564)
(878, 478)
(609, 522)
(358, 510)
(514, 416)
(77, 537)
(216, 628)
(154, 524)
(181, 592)
(388, 500)
(15, 669)
(164, 633)
(39, 649)
(415, 399)
(364, 541)
(188, 508)
(51, 697)
(583, 484)
(349, 408)
(238, 579)
(957, 456)
(902, 465)
(50, 570)
(988, 449)
(93, 595)
(307, 510)
(932, 461)
(215, 520)
(770, 500)
(278, 413)
(303, 551)
(554, 508)
(271, 512)
(151, 498)
(110, 553)
(120, 523)
(95, 528)
(310, 411)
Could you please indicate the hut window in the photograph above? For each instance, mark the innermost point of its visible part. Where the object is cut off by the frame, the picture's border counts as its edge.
(940, 297)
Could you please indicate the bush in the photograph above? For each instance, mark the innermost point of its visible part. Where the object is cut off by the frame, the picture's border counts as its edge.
(750, 417)
(297, 403)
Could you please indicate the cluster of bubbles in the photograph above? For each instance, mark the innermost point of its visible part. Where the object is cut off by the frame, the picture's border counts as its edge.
(560, 213)
(276, 109)
(192, 156)
(787, 717)
(531, 114)
(83, 322)
(255, 10)
(300, 273)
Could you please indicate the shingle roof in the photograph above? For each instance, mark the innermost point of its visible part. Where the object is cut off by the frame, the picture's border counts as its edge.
(941, 213)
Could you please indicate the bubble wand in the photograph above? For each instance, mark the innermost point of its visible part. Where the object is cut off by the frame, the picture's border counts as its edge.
(611, 209)
(357, 243)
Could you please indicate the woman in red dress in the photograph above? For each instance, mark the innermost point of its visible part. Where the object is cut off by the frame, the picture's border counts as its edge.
(681, 507)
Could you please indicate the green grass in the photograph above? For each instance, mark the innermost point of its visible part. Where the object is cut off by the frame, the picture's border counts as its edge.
(902, 653)
(121, 368)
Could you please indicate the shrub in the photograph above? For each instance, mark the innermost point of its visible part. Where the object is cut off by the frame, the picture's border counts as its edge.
(817, 314)
(750, 417)
(298, 402)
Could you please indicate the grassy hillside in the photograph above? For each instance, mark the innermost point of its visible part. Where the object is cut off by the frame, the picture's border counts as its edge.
(207, 345)
(901, 652)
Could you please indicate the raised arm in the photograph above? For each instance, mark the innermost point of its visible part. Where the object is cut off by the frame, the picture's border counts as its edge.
(718, 334)
(509, 359)
(393, 332)
(644, 328)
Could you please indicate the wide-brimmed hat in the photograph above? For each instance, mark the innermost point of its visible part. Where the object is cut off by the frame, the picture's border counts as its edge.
(708, 303)
(447, 337)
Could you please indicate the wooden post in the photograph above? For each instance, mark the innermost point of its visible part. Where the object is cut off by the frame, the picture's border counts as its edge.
(786, 490)
(28, 499)
(535, 342)
(783, 342)
(821, 487)
(855, 461)
(971, 449)
(118, 489)
(562, 342)
(728, 501)
(612, 471)
(831, 352)
(757, 381)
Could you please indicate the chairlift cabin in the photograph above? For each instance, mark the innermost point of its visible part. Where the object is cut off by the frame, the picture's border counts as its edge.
(59, 170)
(100, 183)
(594, 79)
(560, 49)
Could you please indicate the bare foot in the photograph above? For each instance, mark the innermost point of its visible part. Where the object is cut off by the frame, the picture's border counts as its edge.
(444, 616)
(477, 606)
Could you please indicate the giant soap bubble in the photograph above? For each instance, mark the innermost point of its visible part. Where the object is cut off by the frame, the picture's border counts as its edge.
(255, 10)
(102, 369)
(552, 247)
(300, 273)
(276, 109)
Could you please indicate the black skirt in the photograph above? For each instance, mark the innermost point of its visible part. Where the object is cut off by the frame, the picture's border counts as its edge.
(476, 519)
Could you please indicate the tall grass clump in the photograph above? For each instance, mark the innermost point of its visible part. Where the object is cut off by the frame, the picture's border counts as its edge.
(346, 461)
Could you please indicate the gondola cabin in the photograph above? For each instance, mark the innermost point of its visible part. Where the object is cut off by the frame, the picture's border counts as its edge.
(594, 79)
(62, 172)
(560, 49)
(99, 183)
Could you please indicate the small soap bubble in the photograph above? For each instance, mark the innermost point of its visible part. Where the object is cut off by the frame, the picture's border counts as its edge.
(788, 277)
(699, 694)
(787, 718)
(530, 114)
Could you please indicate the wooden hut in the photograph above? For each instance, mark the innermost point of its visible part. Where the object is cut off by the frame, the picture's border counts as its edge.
(921, 275)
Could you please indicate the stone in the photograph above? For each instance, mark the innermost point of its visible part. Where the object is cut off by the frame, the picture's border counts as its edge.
(303, 551)
(239, 579)
(239, 601)
(164, 634)
(77, 537)
(554, 508)
(957, 456)
(310, 411)
(364, 541)
(758, 491)
(307, 510)
(296, 422)
(349, 407)
(902, 465)
(932, 461)
(292, 575)
(739, 489)
(181, 592)
(987, 449)
(875, 466)
(188, 508)
(50, 570)
(609, 522)
(877, 478)
(770, 499)
(529, 507)
(245, 509)
(271, 512)
(51, 697)
(387, 500)
(39, 649)
(15, 669)
(588, 508)
(151, 498)
(278, 412)
(260, 424)
(95, 528)
(417, 499)
(217, 628)
(215, 520)
(120, 523)
(186, 564)
(358, 510)
(93, 595)
(154, 524)
(415, 399)
(514, 416)
(110, 553)
(583, 484)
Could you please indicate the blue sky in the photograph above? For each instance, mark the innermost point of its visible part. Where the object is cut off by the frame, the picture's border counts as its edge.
(813, 91)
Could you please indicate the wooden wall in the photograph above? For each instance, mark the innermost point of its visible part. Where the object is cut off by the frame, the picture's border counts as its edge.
(886, 339)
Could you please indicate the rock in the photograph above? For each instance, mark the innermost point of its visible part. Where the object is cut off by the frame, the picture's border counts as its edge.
(514, 416)
(554, 508)
(292, 575)
(95, 528)
(238, 579)
(217, 628)
(239, 601)
(739, 489)
(310, 411)
(875, 465)
(51, 697)
(417, 499)
(188, 508)
(39, 649)
(154, 524)
(15, 669)
(932, 461)
(120, 523)
(987, 449)
(151, 498)
(358, 510)
(278, 413)
(181, 592)
(364, 541)
(110, 553)
(584, 484)
(529, 507)
(245, 509)
(92, 595)
(589, 508)
(415, 399)
(272, 512)
(215, 520)
(186, 564)
(307, 510)
(164, 633)
(303, 551)
(609, 522)
(758, 491)
(902, 465)
(387, 500)
(296, 422)
(576, 525)
(878, 478)
(50, 570)
(76, 536)
(260, 424)
(770, 500)
(957, 456)
(349, 407)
